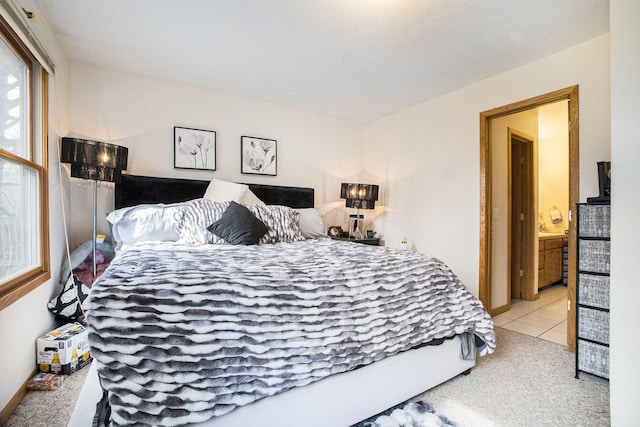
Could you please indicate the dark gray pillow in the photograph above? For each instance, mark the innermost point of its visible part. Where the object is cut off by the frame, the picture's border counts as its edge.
(238, 226)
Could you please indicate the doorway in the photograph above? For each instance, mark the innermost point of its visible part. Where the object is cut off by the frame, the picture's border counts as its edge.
(488, 212)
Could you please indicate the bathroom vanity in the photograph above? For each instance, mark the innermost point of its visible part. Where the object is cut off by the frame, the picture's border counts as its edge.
(550, 258)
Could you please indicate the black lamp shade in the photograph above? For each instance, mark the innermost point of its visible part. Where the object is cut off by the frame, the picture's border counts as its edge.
(95, 173)
(360, 204)
(360, 196)
(98, 161)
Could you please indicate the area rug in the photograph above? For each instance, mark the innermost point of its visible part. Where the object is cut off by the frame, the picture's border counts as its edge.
(412, 414)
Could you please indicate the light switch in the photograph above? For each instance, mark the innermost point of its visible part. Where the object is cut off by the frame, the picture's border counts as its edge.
(495, 213)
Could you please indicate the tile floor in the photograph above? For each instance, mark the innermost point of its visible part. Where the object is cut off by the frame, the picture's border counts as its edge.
(545, 318)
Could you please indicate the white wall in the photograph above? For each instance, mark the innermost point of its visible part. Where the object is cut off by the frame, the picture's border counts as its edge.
(427, 157)
(553, 164)
(625, 200)
(313, 150)
(25, 320)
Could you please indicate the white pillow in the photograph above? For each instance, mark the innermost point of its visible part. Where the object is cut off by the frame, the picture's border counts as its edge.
(81, 253)
(151, 222)
(311, 223)
(77, 256)
(225, 191)
(251, 199)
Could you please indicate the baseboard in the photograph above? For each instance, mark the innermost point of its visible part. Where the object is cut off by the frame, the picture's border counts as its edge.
(499, 310)
(8, 410)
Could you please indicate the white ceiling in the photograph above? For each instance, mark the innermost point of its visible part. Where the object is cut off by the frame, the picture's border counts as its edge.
(358, 59)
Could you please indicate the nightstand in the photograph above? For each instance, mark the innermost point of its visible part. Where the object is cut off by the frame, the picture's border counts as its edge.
(373, 241)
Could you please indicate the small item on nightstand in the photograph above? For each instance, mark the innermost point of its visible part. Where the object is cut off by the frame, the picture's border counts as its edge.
(403, 244)
(335, 231)
(372, 241)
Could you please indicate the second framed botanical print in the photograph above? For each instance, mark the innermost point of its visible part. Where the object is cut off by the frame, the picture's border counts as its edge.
(259, 156)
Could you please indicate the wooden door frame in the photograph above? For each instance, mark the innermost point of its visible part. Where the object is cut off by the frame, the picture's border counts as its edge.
(528, 292)
(484, 286)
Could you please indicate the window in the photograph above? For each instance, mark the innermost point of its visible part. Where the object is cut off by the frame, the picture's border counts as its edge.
(24, 245)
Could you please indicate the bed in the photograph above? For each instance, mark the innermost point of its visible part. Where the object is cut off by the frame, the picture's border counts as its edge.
(296, 330)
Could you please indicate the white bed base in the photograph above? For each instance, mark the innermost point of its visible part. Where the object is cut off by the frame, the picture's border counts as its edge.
(340, 400)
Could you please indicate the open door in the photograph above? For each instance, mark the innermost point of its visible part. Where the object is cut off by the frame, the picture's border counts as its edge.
(522, 216)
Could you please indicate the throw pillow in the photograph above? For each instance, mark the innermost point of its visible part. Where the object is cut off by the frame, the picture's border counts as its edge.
(238, 226)
(77, 257)
(224, 191)
(282, 222)
(193, 221)
(68, 305)
(145, 222)
(249, 198)
(311, 223)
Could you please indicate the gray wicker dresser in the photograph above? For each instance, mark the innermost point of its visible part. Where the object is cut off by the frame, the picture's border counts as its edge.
(592, 334)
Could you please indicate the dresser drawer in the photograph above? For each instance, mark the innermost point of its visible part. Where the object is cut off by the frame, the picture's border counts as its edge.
(593, 325)
(593, 290)
(593, 358)
(594, 221)
(594, 255)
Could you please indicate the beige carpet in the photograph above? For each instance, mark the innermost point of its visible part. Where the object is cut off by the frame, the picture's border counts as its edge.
(49, 408)
(526, 382)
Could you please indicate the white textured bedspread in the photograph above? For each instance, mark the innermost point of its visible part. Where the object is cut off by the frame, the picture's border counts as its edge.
(183, 333)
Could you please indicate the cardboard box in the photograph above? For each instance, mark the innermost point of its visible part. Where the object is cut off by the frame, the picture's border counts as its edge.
(63, 350)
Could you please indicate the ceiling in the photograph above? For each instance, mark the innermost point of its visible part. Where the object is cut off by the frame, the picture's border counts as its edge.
(357, 59)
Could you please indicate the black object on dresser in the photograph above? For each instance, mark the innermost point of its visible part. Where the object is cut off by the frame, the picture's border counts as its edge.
(373, 241)
(592, 284)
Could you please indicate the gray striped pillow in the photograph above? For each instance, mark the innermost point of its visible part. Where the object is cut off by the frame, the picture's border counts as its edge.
(282, 222)
(194, 219)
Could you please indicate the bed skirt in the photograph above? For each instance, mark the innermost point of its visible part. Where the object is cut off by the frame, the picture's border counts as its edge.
(340, 400)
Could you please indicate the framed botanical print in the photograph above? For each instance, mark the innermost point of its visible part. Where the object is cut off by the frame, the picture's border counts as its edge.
(258, 156)
(194, 148)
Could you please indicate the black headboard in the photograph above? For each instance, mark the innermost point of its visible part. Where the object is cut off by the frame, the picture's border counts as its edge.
(136, 189)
